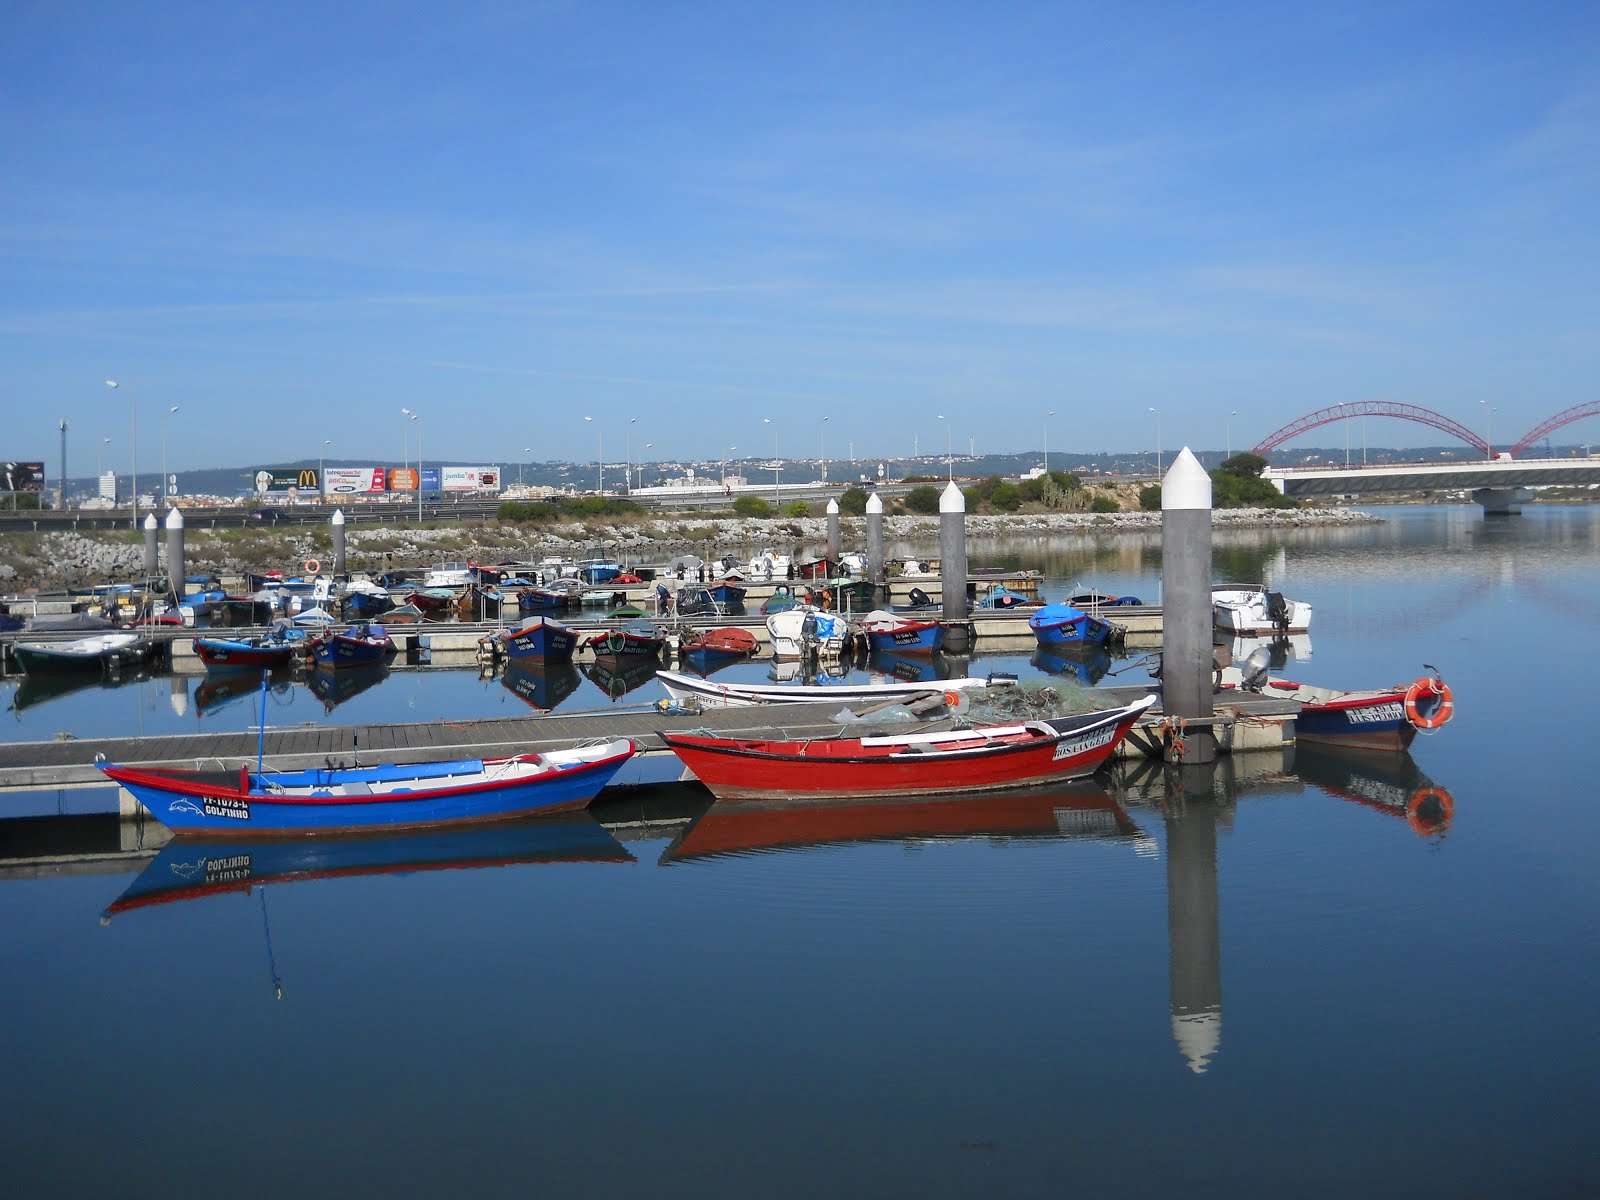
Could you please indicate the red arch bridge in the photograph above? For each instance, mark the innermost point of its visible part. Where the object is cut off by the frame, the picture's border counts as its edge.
(1499, 481)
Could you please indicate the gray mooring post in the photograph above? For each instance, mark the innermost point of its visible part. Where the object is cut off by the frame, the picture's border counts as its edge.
(833, 530)
(875, 571)
(152, 547)
(953, 564)
(175, 570)
(338, 543)
(1194, 938)
(1186, 663)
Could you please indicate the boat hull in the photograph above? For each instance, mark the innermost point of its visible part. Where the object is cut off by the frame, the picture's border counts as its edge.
(908, 637)
(221, 655)
(541, 641)
(340, 651)
(734, 695)
(1063, 625)
(225, 804)
(974, 761)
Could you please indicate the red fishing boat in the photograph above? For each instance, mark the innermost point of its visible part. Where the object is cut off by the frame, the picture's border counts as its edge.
(909, 764)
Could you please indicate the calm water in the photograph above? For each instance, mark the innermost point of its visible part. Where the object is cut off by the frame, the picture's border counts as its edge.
(1265, 981)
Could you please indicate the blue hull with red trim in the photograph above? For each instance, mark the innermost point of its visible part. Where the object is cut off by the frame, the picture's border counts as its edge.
(1064, 625)
(541, 639)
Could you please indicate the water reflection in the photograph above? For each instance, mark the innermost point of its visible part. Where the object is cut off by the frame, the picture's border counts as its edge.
(36, 688)
(217, 692)
(1087, 664)
(616, 677)
(191, 868)
(335, 687)
(909, 668)
(1390, 783)
(1082, 810)
(541, 685)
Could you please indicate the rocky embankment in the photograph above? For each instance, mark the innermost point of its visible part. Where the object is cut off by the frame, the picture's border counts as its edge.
(54, 560)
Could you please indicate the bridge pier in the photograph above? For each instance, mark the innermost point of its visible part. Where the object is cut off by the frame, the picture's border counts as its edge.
(1501, 502)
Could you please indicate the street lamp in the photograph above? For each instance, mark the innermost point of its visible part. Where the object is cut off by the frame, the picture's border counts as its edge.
(164, 417)
(1231, 416)
(98, 469)
(133, 481)
(949, 454)
(776, 461)
(526, 450)
(322, 481)
(1342, 419)
(1158, 443)
(417, 417)
(824, 451)
(627, 473)
(600, 434)
(1489, 440)
(647, 446)
(1047, 417)
(726, 463)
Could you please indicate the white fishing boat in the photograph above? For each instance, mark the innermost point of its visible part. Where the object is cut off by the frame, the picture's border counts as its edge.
(711, 694)
(80, 654)
(1247, 610)
(803, 630)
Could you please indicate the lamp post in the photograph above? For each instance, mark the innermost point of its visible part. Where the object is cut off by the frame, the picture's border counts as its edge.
(1231, 416)
(726, 463)
(98, 469)
(133, 481)
(776, 462)
(627, 474)
(600, 478)
(1489, 438)
(1047, 417)
(1346, 424)
(949, 454)
(526, 450)
(417, 417)
(824, 424)
(164, 417)
(322, 481)
(1158, 442)
(647, 446)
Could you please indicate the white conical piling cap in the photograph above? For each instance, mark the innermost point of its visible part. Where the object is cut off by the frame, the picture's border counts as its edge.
(1186, 485)
(875, 504)
(833, 508)
(338, 517)
(150, 521)
(174, 518)
(952, 499)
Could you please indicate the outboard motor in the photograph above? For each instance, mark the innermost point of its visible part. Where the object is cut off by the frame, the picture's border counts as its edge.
(809, 641)
(1278, 611)
(920, 598)
(1254, 672)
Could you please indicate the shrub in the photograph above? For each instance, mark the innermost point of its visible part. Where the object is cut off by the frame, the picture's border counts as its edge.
(1150, 497)
(924, 500)
(751, 506)
(1104, 504)
(853, 502)
(1007, 497)
(798, 509)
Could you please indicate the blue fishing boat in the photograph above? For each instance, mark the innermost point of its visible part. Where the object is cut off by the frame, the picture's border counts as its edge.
(725, 592)
(270, 651)
(360, 645)
(246, 803)
(900, 634)
(639, 638)
(781, 600)
(541, 639)
(598, 568)
(192, 868)
(1000, 596)
(1063, 625)
(538, 599)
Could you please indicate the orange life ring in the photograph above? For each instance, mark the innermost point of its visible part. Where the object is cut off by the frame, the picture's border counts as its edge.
(1430, 810)
(952, 699)
(312, 566)
(1440, 713)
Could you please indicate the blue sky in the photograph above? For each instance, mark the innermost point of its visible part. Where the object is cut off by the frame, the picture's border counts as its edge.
(291, 220)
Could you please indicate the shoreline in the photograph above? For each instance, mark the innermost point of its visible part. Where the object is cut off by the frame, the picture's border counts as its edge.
(32, 562)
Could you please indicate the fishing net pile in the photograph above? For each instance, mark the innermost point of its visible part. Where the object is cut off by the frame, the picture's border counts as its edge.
(1029, 701)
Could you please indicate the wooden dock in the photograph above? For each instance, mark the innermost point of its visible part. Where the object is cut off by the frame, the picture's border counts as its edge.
(1245, 722)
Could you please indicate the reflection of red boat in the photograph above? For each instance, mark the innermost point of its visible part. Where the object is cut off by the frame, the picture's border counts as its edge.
(1390, 783)
(992, 758)
(1079, 810)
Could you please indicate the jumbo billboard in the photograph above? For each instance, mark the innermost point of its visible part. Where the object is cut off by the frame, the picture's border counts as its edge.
(21, 477)
(470, 479)
(353, 481)
(280, 479)
(402, 479)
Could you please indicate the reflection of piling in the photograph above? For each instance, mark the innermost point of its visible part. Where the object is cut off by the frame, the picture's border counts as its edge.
(953, 564)
(875, 570)
(1194, 937)
(338, 543)
(175, 571)
(833, 530)
(1186, 604)
(152, 547)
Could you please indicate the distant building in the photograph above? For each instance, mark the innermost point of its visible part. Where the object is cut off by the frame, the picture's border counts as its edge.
(108, 486)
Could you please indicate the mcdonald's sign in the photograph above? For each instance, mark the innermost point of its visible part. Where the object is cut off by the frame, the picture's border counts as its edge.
(294, 479)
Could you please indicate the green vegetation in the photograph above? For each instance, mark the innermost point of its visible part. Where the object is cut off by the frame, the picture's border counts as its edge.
(1237, 483)
(1150, 497)
(1104, 504)
(1007, 497)
(853, 502)
(798, 509)
(923, 500)
(567, 508)
(751, 506)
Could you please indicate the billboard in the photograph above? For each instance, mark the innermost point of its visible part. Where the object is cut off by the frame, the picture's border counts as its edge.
(293, 479)
(353, 481)
(430, 479)
(21, 477)
(402, 479)
(471, 479)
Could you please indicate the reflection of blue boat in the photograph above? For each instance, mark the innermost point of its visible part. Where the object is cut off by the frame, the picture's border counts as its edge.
(917, 668)
(541, 639)
(333, 688)
(1087, 664)
(1391, 783)
(542, 685)
(216, 692)
(1063, 625)
(190, 868)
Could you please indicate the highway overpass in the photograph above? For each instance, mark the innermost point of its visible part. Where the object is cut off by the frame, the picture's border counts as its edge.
(1500, 486)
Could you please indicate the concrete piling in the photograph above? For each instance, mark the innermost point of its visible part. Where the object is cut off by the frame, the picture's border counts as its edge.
(175, 570)
(338, 544)
(875, 565)
(1186, 663)
(833, 530)
(953, 564)
(152, 547)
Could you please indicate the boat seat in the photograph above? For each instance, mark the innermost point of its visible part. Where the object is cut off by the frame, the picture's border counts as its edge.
(358, 788)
